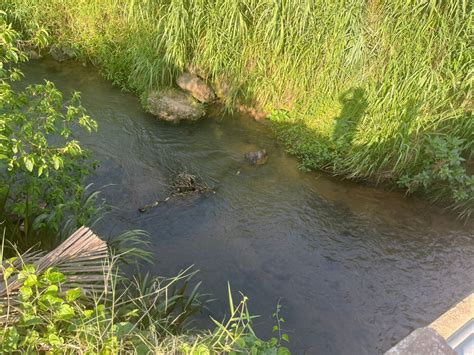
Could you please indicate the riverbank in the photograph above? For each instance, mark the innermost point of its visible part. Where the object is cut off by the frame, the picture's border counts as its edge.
(363, 91)
(346, 261)
(76, 298)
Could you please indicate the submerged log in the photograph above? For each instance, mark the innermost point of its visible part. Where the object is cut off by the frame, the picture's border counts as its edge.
(181, 185)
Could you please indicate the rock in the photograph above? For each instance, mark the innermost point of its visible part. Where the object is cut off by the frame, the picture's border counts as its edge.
(174, 105)
(33, 54)
(253, 112)
(222, 88)
(259, 157)
(196, 87)
(61, 54)
(195, 70)
(31, 51)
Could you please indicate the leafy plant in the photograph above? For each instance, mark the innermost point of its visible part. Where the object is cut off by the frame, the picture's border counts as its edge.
(44, 313)
(443, 165)
(42, 166)
(50, 315)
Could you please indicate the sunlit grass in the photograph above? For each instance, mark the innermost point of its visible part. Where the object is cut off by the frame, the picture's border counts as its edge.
(410, 59)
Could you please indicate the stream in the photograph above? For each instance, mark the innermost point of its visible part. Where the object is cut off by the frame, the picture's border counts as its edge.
(355, 268)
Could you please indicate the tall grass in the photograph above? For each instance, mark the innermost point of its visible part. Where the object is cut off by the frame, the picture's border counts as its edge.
(410, 63)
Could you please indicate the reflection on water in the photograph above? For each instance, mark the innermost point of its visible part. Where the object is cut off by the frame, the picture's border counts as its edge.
(355, 268)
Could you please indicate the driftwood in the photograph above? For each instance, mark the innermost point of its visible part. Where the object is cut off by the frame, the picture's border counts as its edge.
(181, 185)
(82, 258)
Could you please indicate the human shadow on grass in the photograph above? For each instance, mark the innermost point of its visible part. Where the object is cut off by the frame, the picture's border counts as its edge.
(354, 104)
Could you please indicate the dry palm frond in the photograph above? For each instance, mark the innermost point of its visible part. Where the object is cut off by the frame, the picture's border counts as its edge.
(82, 258)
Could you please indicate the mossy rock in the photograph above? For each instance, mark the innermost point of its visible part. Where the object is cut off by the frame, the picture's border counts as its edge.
(174, 105)
(61, 53)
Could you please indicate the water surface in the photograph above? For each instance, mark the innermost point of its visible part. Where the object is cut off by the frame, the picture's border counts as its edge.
(355, 268)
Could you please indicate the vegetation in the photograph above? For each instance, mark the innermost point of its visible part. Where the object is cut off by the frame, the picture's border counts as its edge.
(54, 309)
(50, 315)
(42, 167)
(371, 90)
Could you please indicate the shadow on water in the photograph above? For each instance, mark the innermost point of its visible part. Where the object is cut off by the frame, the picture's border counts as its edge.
(355, 268)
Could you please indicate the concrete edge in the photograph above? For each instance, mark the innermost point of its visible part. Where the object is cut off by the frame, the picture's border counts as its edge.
(433, 339)
(455, 318)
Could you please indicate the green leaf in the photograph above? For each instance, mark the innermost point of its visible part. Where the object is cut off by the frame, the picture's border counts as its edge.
(73, 294)
(28, 269)
(31, 319)
(55, 340)
(47, 300)
(56, 162)
(27, 275)
(283, 351)
(88, 313)
(8, 272)
(52, 290)
(31, 280)
(29, 163)
(25, 293)
(64, 312)
(54, 277)
(133, 313)
(10, 339)
(32, 338)
(285, 337)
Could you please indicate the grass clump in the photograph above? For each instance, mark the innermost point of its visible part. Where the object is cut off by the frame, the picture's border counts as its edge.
(369, 84)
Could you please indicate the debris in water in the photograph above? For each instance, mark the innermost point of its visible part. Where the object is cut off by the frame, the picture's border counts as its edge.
(181, 185)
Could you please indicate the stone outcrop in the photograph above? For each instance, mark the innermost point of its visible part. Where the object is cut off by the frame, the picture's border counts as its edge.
(33, 54)
(61, 54)
(173, 105)
(259, 157)
(30, 50)
(196, 87)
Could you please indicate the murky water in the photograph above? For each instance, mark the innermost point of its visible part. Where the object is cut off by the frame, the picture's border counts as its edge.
(355, 268)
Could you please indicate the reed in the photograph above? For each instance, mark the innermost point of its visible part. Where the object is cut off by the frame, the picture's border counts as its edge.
(368, 85)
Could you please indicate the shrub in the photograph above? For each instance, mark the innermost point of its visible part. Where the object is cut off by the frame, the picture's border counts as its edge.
(50, 316)
(42, 166)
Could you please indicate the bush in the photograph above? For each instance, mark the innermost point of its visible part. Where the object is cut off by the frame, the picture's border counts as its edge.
(42, 166)
(50, 316)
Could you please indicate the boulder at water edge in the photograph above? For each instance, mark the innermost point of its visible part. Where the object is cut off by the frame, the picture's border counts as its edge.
(259, 157)
(174, 105)
(61, 54)
(196, 87)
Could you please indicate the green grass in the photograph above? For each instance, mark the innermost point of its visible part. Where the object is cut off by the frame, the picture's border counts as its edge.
(363, 89)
